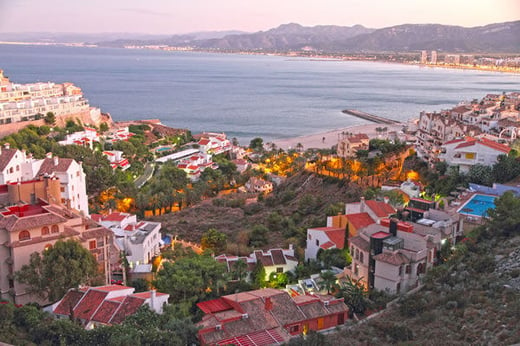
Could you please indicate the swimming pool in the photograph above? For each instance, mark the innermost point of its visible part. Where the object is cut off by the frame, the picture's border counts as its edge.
(478, 205)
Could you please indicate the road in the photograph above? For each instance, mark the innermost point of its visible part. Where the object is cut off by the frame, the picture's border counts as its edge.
(148, 172)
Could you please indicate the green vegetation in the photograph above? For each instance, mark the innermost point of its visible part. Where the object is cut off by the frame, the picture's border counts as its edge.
(65, 265)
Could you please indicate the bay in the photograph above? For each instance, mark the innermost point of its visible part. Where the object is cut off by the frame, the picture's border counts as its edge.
(247, 96)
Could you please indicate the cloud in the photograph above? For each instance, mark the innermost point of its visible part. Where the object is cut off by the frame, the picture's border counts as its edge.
(146, 12)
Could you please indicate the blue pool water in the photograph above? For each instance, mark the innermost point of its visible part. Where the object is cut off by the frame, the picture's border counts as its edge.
(164, 149)
(478, 205)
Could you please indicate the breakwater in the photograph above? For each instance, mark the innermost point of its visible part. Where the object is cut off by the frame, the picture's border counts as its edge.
(370, 117)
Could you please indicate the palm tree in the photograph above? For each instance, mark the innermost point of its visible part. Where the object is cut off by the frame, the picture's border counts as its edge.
(329, 280)
(355, 295)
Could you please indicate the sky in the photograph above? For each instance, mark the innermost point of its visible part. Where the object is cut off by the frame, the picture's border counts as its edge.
(185, 16)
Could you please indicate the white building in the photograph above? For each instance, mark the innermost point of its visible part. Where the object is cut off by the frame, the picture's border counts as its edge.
(323, 238)
(468, 152)
(16, 166)
(141, 241)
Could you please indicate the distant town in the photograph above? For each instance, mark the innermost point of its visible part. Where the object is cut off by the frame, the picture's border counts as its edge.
(195, 239)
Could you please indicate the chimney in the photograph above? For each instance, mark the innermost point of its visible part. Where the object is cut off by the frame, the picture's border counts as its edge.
(362, 205)
(386, 199)
(153, 298)
(48, 155)
(56, 160)
(393, 226)
(7, 145)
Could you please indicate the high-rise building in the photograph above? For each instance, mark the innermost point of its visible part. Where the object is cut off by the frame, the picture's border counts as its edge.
(424, 57)
(433, 59)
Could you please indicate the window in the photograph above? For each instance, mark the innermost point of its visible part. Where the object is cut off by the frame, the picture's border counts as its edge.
(92, 244)
(62, 189)
(408, 269)
(361, 256)
(310, 236)
(357, 254)
(351, 250)
(294, 329)
(279, 270)
(11, 170)
(45, 230)
(55, 229)
(356, 269)
(317, 242)
(17, 168)
(24, 235)
(400, 270)
(420, 269)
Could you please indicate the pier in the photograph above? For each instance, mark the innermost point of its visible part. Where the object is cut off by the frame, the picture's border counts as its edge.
(370, 117)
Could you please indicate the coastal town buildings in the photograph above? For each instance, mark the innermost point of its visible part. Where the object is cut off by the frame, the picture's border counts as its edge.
(267, 316)
(32, 101)
(86, 138)
(350, 144)
(258, 185)
(106, 305)
(117, 159)
(273, 260)
(469, 151)
(28, 228)
(139, 240)
(18, 167)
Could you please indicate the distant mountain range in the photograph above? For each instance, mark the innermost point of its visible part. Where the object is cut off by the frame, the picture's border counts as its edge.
(493, 38)
(499, 38)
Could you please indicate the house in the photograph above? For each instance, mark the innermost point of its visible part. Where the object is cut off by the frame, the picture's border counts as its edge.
(106, 305)
(323, 238)
(242, 165)
(471, 151)
(391, 256)
(213, 143)
(350, 144)
(28, 228)
(266, 317)
(87, 137)
(140, 240)
(117, 159)
(259, 185)
(375, 209)
(16, 166)
(273, 261)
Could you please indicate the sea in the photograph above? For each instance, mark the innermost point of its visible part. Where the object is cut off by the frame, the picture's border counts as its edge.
(248, 96)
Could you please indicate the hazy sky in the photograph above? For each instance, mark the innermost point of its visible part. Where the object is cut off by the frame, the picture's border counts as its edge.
(182, 16)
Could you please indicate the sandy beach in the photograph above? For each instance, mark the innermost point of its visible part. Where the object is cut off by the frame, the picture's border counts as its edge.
(331, 137)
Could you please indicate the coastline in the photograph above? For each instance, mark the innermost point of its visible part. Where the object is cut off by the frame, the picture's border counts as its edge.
(331, 137)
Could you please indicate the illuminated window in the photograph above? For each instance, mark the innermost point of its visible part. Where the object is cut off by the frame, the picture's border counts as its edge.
(45, 230)
(55, 229)
(24, 235)
(470, 156)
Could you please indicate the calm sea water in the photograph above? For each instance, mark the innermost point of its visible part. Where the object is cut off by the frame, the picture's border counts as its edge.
(243, 95)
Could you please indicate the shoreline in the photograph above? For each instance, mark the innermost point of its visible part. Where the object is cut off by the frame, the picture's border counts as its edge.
(327, 139)
(317, 58)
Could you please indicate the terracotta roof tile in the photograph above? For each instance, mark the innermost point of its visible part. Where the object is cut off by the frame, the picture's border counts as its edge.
(69, 302)
(381, 209)
(89, 304)
(360, 243)
(128, 307)
(360, 220)
(278, 257)
(48, 166)
(6, 156)
(394, 258)
(106, 311)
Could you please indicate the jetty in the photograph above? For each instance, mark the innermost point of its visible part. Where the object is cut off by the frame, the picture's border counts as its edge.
(370, 117)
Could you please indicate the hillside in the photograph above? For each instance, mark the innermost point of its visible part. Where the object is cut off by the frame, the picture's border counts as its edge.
(300, 202)
(493, 38)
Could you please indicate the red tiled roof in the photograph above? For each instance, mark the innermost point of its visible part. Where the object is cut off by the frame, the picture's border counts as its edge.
(68, 302)
(360, 243)
(360, 220)
(6, 156)
(89, 304)
(204, 141)
(106, 311)
(115, 217)
(327, 245)
(263, 337)
(147, 294)
(48, 166)
(494, 145)
(111, 288)
(215, 305)
(380, 235)
(128, 307)
(266, 260)
(278, 257)
(337, 236)
(392, 258)
(454, 141)
(381, 209)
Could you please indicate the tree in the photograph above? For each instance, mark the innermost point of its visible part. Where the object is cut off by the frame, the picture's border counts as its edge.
(65, 265)
(506, 215)
(258, 275)
(214, 240)
(190, 278)
(257, 144)
(50, 118)
(329, 280)
(355, 295)
(334, 257)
